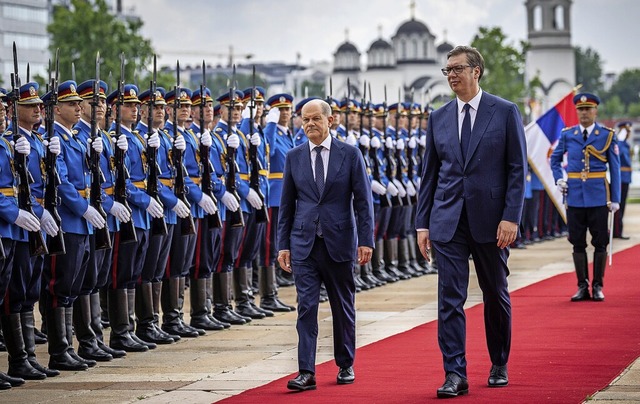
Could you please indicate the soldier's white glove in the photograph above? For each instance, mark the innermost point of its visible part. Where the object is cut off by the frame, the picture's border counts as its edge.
(120, 212)
(181, 209)
(378, 188)
(254, 199)
(401, 191)
(375, 142)
(392, 189)
(413, 142)
(273, 115)
(155, 209)
(351, 139)
(562, 185)
(230, 202)
(233, 141)
(54, 145)
(422, 140)
(96, 145)
(411, 190)
(388, 143)
(179, 143)
(365, 141)
(122, 143)
(418, 181)
(94, 217)
(26, 220)
(48, 224)
(400, 144)
(153, 140)
(207, 204)
(614, 207)
(205, 138)
(22, 146)
(246, 112)
(255, 139)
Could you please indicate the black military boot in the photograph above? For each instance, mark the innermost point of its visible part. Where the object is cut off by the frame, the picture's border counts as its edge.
(269, 292)
(120, 338)
(88, 343)
(19, 365)
(391, 259)
(404, 264)
(253, 292)
(377, 263)
(27, 322)
(68, 322)
(209, 303)
(96, 326)
(414, 254)
(582, 272)
(185, 284)
(156, 290)
(170, 301)
(145, 328)
(199, 313)
(242, 290)
(131, 307)
(599, 264)
(221, 299)
(104, 307)
(59, 357)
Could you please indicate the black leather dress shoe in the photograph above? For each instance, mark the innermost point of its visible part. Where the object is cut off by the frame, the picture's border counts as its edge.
(598, 296)
(453, 386)
(581, 294)
(621, 237)
(304, 381)
(346, 375)
(498, 376)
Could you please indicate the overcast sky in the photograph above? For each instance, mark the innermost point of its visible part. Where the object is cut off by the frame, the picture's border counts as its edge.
(277, 30)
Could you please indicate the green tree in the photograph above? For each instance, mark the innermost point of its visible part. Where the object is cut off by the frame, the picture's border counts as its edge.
(504, 64)
(633, 110)
(588, 69)
(613, 108)
(86, 27)
(313, 89)
(627, 87)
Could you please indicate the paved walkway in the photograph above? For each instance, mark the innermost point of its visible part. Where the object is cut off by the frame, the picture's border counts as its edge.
(225, 363)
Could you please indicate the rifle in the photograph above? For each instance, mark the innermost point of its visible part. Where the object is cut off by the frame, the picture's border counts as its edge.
(55, 244)
(411, 158)
(37, 245)
(373, 157)
(262, 215)
(402, 162)
(187, 227)
(391, 166)
(347, 109)
(128, 229)
(363, 149)
(214, 220)
(103, 238)
(158, 225)
(236, 219)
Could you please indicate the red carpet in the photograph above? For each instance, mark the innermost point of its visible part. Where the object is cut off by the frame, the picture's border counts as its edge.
(562, 352)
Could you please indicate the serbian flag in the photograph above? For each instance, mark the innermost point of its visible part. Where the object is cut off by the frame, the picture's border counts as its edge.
(542, 136)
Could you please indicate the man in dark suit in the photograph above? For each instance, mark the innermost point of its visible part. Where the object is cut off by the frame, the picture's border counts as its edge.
(325, 193)
(470, 202)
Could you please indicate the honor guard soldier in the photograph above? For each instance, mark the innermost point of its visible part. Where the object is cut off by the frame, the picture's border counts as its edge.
(591, 150)
(411, 181)
(184, 237)
(624, 131)
(129, 254)
(87, 308)
(280, 141)
(208, 240)
(63, 273)
(24, 287)
(3, 110)
(300, 136)
(336, 109)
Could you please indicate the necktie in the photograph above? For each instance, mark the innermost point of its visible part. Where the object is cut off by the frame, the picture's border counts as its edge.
(465, 133)
(585, 135)
(319, 180)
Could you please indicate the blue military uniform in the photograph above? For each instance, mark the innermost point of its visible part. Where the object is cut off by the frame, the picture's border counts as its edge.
(591, 152)
(625, 176)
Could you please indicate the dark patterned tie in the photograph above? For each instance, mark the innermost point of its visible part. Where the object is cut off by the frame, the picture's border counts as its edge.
(465, 133)
(319, 180)
(585, 135)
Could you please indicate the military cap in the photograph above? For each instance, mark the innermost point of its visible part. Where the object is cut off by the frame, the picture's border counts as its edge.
(131, 94)
(303, 103)
(336, 105)
(258, 95)
(378, 109)
(586, 100)
(416, 109)
(85, 89)
(351, 106)
(112, 97)
(624, 123)
(29, 94)
(185, 96)
(225, 100)
(196, 98)
(145, 96)
(280, 100)
(395, 107)
(216, 110)
(67, 91)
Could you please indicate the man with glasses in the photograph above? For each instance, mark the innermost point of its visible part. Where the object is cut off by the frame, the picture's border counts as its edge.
(470, 202)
